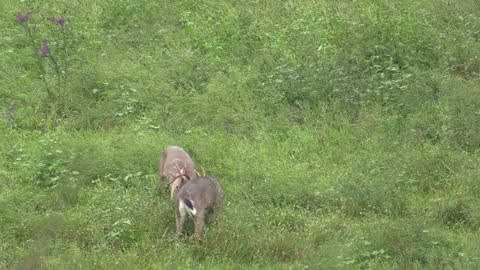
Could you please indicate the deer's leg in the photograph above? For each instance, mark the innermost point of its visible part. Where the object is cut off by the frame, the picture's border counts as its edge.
(180, 219)
(174, 186)
(199, 222)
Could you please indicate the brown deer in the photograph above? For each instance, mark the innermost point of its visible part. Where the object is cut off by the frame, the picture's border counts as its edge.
(195, 198)
(177, 167)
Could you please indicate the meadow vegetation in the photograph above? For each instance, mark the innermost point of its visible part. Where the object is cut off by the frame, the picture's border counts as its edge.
(345, 134)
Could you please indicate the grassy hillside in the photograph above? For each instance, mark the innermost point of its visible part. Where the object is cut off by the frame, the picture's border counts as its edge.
(345, 134)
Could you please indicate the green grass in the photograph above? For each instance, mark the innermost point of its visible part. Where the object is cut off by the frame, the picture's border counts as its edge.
(344, 133)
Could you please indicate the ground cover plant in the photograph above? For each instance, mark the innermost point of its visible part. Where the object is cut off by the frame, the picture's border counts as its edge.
(345, 134)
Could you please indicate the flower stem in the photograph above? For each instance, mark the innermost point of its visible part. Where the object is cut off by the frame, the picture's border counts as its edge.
(43, 73)
(65, 55)
(57, 69)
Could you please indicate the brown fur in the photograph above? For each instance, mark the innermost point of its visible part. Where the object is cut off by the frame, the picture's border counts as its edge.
(172, 161)
(204, 193)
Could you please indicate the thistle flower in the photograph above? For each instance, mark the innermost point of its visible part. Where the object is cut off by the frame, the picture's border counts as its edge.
(21, 18)
(44, 49)
(60, 20)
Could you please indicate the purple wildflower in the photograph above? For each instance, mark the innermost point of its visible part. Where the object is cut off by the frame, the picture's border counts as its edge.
(60, 20)
(20, 18)
(44, 49)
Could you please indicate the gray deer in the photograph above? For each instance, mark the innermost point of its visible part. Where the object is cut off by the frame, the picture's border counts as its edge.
(195, 198)
(177, 167)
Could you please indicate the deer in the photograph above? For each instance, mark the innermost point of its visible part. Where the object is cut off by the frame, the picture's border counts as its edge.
(177, 167)
(195, 198)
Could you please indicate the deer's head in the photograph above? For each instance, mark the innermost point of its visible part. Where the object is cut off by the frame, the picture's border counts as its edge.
(178, 180)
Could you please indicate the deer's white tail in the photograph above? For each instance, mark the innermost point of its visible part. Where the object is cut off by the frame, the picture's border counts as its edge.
(186, 206)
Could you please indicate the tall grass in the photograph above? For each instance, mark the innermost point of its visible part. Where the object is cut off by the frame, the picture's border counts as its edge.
(344, 134)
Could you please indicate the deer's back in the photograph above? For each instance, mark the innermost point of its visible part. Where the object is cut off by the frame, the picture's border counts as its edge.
(202, 189)
(176, 156)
